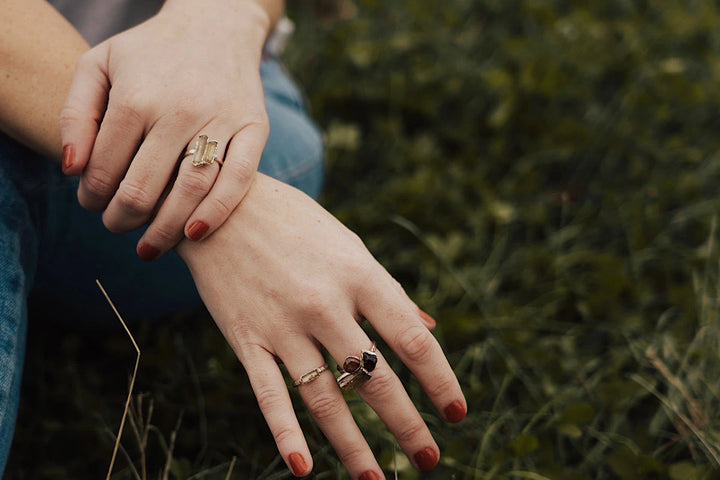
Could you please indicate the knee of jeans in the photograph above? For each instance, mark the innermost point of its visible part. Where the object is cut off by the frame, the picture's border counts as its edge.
(295, 150)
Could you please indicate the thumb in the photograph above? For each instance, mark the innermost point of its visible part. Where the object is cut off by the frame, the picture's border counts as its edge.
(84, 108)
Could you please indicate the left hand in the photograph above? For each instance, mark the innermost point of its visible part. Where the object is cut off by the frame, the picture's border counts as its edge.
(140, 100)
(283, 279)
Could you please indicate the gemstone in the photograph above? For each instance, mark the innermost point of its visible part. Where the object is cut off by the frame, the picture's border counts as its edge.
(200, 146)
(349, 381)
(210, 152)
(369, 360)
(351, 364)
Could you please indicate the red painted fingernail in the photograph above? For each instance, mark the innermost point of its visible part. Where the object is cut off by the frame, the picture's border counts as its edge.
(68, 157)
(455, 411)
(428, 318)
(197, 230)
(369, 475)
(426, 459)
(147, 252)
(297, 464)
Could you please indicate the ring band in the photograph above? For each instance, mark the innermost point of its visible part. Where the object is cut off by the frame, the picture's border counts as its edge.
(310, 376)
(356, 370)
(204, 153)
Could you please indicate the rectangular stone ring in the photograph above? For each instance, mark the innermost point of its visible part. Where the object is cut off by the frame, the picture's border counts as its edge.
(204, 153)
(310, 376)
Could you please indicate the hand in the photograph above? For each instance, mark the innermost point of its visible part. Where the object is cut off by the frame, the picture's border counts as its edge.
(140, 100)
(284, 279)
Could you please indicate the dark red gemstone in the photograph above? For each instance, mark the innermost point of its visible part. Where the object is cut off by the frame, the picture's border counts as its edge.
(369, 360)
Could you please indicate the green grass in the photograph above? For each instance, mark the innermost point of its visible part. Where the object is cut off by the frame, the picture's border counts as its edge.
(542, 176)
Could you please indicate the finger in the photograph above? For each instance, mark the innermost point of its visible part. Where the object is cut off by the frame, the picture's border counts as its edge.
(383, 302)
(327, 406)
(427, 320)
(120, 134)
(83, 109)
(274, 401)
(385, 394)
(240, 164)
(147, 177)
(188, 190)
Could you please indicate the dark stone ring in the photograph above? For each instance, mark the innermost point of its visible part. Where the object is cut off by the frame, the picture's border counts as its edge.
(356, 370)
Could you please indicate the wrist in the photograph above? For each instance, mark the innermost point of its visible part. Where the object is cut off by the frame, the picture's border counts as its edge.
(245, 23)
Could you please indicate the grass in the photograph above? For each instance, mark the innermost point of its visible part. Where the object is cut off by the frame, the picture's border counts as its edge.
(542, 177)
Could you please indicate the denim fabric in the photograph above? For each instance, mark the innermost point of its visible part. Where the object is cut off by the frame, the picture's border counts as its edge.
(53, 248)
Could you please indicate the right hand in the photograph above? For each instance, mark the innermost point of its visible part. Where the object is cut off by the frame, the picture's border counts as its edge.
(284, 279)
(142, 98)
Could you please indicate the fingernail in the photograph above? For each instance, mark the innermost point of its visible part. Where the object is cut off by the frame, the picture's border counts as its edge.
(455, 412)
(426, 459)
(428, 318)
(369, 475)
(197, 230)
(147, 252)
(297, 464)
(68, 157)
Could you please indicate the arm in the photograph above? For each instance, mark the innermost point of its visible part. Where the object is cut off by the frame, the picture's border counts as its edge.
(38, 52)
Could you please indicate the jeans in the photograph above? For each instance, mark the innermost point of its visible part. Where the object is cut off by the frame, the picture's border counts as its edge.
(53, 248)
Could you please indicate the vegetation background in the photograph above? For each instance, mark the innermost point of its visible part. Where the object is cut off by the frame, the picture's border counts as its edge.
(542, 177)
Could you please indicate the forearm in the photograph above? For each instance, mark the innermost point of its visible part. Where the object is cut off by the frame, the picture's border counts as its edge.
(38, 53)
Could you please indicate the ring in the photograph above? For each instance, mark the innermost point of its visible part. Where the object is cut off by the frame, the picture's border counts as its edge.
(356, 370)
(310, 376)
(204, 153)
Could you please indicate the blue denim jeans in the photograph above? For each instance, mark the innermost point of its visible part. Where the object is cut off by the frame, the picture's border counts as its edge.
(53, 248)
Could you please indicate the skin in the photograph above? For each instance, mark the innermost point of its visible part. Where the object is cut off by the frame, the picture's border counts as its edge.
(280, 263)
(38, 53)
(127, 119)
(308, 285)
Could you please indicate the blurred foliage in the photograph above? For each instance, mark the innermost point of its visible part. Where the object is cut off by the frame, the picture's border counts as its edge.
(541, 175)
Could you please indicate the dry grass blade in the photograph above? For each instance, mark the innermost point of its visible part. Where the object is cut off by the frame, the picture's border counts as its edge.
(132, 380)
(171, 448)
(232, 465)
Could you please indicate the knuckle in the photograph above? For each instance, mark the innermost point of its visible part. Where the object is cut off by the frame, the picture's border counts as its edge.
(398, 287)
(355, 239)
(183, 116)
(241, 171)
(441, 387)
(100, 182)
(411, 432)
(269, 398)
(221, 206)
(358, 269)
(262, 123)
(193, 183)
(352, 454)
(163, 234)
(255, 119)
(283, 434)
(69, 115)
(325, 407)
(134, 200)
(381, 383)
(415, 343)
(128, 112)
(238, 336)
(315, 303)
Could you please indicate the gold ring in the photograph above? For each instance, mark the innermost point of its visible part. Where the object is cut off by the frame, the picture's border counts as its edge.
(356, 370)
(310, 376)
(204, 153)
